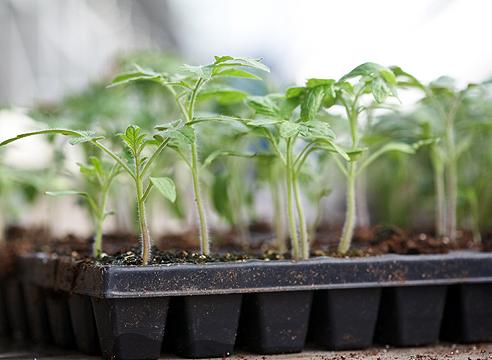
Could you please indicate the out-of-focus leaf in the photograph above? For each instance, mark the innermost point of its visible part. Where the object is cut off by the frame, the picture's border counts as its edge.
(371, 70)
(137, 75)
(288, 129)
(294, 92)
(223, 94)
(165, 186)
(238, 73)
(178, 130)
(66, 193)
(265, 105)
(232, 62)
(77, 136)
(220, 197)
(404, 79)
(318, 129)
(312, 103)
(199, 71)
(214, 155)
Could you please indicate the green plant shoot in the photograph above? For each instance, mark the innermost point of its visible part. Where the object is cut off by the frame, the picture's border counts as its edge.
(138, 168)
(279, 123)
(99, 177)
(186, 87)
(381, 83)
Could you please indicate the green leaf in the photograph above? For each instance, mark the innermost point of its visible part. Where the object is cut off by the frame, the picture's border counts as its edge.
(85, 136)
(165, 186)
(392, 146)
(388, 76)
(398, 146)
(274, 106)
(355, 154)
(311, 83)
(377, 79)
(443, 83)
(344, 86)
(287, 107)
(295, 92)
(134, 139)
(265, 105)
(170, 125)
(138, 74)
(229, 61)
(217, 153)
(463, 145)
(238, 73)
(81, 136)
(86, 170)
(318, 129)
(312, 103)
(199, 71)
(224, 66)
(263, 122)
(216, 117)
(108, 213)
(223, 94)
(210, 158)
(371, 70)
(318, 93)
(380, 90)
(96, 163)
(404, 79)
(179, 131)
(220, 197)
(288, 129)
(66, 193)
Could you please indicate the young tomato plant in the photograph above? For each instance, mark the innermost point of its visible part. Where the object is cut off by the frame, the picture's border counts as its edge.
(186, 87)
(19, 188)
(270, 170)
(284, 128)
(228, 178)
(381, 83)
(446, 113)
(138, 168)
(315, 175)
(99, 177)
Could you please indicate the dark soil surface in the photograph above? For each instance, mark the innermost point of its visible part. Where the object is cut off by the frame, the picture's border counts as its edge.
(367, 242)
(121, 249)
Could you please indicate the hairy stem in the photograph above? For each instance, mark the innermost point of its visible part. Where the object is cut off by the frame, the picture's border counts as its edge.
(97, 248)
(290, 212)
(188, 113)
(277, 213)
(350, 217)
(142, 217)
(204, 240)
(475, 219)
(452, 191)
(441, 218)
(302, 220)
(239, 213)
(351, 174)
(316, 222)
(363, 217)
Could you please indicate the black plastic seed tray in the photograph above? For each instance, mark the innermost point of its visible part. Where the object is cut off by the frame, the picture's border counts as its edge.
(206, 310)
